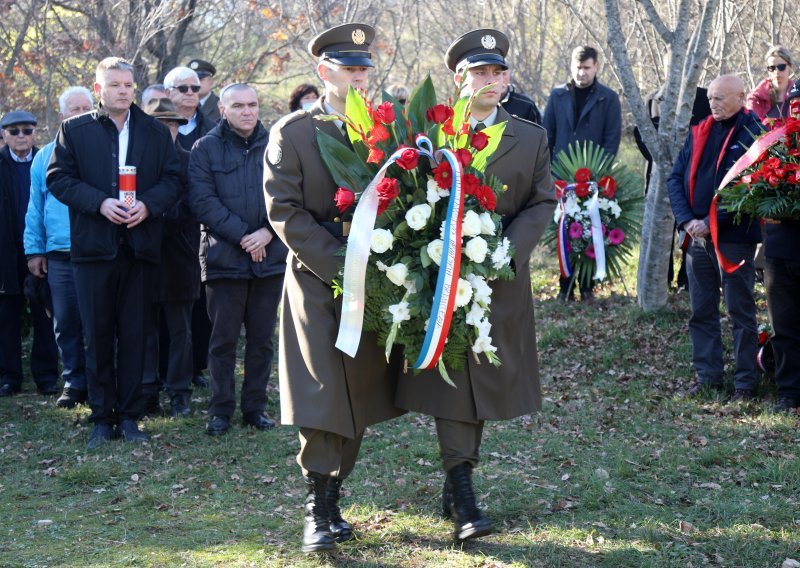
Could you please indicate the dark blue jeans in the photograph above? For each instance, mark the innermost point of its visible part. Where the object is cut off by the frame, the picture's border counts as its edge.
(705, 281)
(783, 300)
(67, 323)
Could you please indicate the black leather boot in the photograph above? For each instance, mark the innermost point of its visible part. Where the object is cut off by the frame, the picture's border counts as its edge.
(317, 534)
(447, 498)
(469, 520)
(342, 530)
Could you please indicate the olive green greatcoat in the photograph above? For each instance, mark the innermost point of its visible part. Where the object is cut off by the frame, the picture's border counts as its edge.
(486, 392)
(320, 387)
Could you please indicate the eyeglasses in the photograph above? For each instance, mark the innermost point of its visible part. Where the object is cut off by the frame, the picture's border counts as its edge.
(185, 88)
(778, 67)
(16, 131)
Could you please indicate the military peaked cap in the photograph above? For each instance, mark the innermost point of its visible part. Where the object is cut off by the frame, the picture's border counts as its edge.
(202, 68)
(347, 45)
(475, 48)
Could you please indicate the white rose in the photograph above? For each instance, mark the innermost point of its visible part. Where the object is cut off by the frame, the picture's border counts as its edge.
(382, 240)
(476, 249)
(399, 312)
(487, 224)
(417, 217)
(463, 293)
(434, 249)
(397, 273)
(471, 225)
(482, 292)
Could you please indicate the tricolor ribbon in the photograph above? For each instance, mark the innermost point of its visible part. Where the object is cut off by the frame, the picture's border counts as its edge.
(753, 154)
(357, 257)
(355, 263)
(598, 240)
(449, 269)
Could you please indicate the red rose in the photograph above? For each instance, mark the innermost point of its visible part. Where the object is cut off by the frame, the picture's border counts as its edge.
(408, 159)
(343, 198)
(582, 175)
(774, 180)
(464, 156)
(377, 134)
(772, 163)
(470, 183)
(375, 156)
(582, 189)
(388, 189)
(447, 127)
(443, 175)
(384, 113)
(439, 113)
(486, 197)
(479, 141)
(794, 107)
(609, 186)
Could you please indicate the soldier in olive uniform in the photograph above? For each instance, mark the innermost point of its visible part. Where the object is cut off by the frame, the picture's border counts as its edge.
(485, 392)
(331, 396)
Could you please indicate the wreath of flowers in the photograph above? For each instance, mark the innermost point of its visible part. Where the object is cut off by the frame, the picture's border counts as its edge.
(770, 187)
(590, 185)
(407, 243)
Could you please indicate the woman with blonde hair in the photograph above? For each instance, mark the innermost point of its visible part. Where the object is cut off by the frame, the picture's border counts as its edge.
(768, 100)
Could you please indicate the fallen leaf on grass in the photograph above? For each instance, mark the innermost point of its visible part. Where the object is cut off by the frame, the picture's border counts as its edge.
(600, 473)
(687, 528)
(790, 563)
(709, 485)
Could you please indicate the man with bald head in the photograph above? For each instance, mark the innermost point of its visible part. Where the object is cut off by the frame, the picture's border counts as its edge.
(710, 150)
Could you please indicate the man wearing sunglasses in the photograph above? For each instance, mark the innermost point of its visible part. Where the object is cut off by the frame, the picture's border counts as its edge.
(183, 88)
(16, 158)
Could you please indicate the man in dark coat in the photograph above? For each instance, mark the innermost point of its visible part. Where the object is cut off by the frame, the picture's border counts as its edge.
(579, 110)
(179, 275)
(332, 397)
(16, 158)
(483, 391)
(517, 103)
(242, 263)
(115, 246)
(209, 102)
(182, 86)
(711, 148)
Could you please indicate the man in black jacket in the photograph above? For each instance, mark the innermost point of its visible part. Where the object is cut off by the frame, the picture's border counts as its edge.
(16, 158)
(518, 103)
(241, 262)
(115, 248)
(711, 148)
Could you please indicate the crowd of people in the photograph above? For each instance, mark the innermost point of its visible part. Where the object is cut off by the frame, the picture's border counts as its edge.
(162, 230)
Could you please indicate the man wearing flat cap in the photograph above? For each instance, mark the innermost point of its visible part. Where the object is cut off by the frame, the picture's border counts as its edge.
(209, 102)
(16, 158)
(331, 396)
(485, 392)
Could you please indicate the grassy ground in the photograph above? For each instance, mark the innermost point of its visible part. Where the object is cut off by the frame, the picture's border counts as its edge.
(617, 470)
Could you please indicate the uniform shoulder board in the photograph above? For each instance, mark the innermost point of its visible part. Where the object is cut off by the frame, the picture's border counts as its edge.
(526, 121)
(290, 118)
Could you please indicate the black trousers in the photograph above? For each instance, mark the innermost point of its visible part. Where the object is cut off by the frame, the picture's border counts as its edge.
(175, 346)
(44, 354)
(231, 303)
(783, 281)
(115, 298)
(201, 332)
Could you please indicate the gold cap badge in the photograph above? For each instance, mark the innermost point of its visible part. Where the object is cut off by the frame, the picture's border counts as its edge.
(359, 37)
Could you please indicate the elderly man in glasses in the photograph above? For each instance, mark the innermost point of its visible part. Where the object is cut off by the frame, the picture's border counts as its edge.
(16, 157)
(182, 86)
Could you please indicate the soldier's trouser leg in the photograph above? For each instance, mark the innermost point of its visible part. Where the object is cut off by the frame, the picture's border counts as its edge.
(327, 453)
(459, 442)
